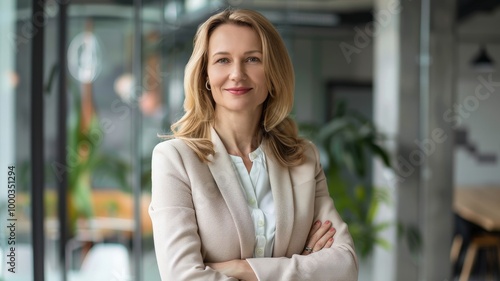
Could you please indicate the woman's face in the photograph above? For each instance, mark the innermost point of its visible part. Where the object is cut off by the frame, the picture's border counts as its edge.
(235, 69)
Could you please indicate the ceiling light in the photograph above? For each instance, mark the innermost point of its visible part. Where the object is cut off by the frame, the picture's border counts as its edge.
(482, 62)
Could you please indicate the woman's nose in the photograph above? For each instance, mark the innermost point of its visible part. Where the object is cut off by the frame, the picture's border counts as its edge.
(237, 72)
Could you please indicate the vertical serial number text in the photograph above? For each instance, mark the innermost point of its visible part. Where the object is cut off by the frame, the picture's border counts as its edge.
(11, 218)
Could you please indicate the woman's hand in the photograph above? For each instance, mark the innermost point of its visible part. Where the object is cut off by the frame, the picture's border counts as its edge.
(320, 237)
(239, 269)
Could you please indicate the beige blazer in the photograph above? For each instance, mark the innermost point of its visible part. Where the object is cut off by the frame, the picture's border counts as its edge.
(200, 215)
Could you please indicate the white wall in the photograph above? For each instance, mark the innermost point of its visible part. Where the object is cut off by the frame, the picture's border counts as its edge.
(478, 112)
(318, 58)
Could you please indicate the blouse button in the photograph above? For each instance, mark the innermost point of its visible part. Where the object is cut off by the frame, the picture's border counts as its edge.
(260, 252)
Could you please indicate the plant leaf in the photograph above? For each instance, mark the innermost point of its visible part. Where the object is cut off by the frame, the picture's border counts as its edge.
(379, 151)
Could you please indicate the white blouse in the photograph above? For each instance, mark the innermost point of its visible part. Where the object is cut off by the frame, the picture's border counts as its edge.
(257, 190)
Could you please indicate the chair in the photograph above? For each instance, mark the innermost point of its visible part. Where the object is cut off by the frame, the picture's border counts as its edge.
(478, 242)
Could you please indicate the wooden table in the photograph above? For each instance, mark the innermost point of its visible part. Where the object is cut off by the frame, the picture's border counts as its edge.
(481, 206)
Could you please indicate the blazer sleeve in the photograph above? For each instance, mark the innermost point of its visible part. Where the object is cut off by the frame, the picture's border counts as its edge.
(338, 263)
(175, 231)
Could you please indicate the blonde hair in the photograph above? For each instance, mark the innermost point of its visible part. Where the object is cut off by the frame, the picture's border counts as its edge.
(277, 128)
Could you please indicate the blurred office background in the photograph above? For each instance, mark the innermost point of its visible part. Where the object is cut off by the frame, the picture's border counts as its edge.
(86, 86)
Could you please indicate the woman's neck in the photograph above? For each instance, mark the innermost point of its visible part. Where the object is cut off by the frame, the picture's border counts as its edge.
(239, 132)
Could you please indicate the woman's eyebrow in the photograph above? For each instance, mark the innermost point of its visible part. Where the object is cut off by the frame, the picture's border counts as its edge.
(246, 53)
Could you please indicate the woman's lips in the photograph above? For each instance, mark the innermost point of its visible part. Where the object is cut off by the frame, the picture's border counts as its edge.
(238, 90)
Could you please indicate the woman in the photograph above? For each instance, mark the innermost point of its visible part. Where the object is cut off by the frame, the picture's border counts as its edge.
(237, 194)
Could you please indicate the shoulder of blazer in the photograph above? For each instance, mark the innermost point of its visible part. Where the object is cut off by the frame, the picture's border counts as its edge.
(310, 166)
(168, 147)
(177, 157)
(310, 152)
(176, 152)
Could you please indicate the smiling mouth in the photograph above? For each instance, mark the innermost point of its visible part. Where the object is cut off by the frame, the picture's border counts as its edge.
(238, 90)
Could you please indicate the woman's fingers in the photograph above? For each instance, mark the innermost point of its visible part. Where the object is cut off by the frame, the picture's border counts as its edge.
(323, 241)
(309, 246)
(313, 230)
(320, 236)
(329, 243)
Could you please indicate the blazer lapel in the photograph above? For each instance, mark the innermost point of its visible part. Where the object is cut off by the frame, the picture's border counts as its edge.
(281, 186)
(220, 166)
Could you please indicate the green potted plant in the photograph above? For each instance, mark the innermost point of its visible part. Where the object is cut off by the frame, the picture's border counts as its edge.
(350, 142)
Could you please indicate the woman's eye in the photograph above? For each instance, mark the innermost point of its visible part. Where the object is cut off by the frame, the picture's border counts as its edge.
(222, 60)
(253, 59)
